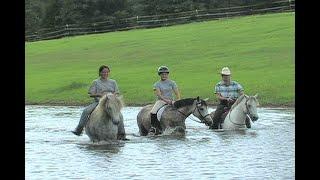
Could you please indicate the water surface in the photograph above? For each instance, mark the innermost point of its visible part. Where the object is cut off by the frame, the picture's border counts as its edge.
(266, 151)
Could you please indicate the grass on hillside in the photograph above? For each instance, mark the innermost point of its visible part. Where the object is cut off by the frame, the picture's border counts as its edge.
(258, 49)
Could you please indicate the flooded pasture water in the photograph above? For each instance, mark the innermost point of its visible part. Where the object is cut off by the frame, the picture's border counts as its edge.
(266, 151)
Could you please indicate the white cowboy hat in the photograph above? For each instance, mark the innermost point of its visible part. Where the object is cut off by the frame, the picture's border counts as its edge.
(225, 71)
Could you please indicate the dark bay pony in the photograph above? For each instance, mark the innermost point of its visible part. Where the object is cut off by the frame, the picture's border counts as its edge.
(173, 117)
(106, 120)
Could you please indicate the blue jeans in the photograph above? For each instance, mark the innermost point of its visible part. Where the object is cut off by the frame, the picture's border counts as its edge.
(85, 116)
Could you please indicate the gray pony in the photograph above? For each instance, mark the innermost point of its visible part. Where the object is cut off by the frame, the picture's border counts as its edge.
(173, 118)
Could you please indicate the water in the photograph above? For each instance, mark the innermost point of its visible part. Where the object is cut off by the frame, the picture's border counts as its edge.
(266, 151)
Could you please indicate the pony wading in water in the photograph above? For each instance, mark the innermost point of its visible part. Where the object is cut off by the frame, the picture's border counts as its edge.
(244, 107)
(174, 116)
(106, 120)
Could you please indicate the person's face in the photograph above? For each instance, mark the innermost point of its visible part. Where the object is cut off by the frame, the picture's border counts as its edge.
(104, 73)
(164, 76)
(225, 78)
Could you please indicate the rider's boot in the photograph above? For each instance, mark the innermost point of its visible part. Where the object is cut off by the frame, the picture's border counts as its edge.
(155, 124)
(83, 121)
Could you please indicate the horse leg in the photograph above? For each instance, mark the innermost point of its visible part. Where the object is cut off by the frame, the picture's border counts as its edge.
(143, 131)
(121, 131)
(216, 120)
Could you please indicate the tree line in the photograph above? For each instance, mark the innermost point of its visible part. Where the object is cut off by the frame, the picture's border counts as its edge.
(41, 14)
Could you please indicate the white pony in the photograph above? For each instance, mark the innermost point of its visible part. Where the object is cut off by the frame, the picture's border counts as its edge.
(245, 106)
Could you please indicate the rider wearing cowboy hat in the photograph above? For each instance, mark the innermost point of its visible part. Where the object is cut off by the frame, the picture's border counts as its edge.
(227, 92)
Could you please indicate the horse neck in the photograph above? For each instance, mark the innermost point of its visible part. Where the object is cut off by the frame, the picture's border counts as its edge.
(237, 112)
(187, 110)
(102, 108)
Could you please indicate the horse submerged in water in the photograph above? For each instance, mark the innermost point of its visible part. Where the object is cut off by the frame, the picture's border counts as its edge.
(173, 117)
(106, 121)
(244, 107)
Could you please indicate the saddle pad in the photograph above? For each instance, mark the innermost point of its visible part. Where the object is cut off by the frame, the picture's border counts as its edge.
(160, 111)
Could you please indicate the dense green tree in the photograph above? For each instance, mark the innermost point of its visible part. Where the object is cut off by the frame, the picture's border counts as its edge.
(42, 14)
(34, 13)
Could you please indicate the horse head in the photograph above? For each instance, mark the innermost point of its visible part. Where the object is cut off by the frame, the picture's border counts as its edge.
(201, 111)
(112, 105)
(251, 107)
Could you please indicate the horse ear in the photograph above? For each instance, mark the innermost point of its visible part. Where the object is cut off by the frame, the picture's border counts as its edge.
(256, 96)
(198, 98)
(106, 95)
(206, 99)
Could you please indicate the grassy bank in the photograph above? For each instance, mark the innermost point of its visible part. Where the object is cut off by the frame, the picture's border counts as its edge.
(259, 50)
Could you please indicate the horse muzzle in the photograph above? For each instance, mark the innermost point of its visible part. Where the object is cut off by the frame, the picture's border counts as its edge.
(115, 121)
(254, 118)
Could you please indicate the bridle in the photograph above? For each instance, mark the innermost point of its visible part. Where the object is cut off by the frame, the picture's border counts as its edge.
(197, 107)
(198, 104)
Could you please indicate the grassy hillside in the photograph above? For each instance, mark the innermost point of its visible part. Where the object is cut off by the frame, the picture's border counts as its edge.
(259, 50)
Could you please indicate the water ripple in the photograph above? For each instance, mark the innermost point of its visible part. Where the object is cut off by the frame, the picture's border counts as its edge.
(266, 151)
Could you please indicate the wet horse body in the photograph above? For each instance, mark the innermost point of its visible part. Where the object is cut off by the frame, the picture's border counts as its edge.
(244, 107)
(173, 116)
(106, 120)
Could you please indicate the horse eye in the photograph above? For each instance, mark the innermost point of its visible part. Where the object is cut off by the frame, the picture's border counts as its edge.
(201, 109)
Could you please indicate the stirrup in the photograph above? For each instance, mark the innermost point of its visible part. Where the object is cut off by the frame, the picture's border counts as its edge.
(155, 131)
(152, 130)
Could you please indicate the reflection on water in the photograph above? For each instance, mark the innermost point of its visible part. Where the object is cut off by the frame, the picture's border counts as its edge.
(103, 148)
(266, 151)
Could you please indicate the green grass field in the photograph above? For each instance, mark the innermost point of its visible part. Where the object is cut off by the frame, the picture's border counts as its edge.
(259, 50)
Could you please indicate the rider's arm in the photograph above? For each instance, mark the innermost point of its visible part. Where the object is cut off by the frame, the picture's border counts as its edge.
(92, 92)
(220, 97)
(158, 93)
(177, 93)
(241, 92)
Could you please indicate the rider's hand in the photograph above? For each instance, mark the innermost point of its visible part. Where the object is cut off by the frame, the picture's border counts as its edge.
(169, 102)
(231, 100)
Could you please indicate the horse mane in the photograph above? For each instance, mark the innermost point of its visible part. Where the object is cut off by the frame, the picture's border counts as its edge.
(239, 99)
(115, 102)
(183, 102)
(187, 102)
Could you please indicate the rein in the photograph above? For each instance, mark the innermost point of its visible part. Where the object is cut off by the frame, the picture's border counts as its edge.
(196, 108)
(187, 116)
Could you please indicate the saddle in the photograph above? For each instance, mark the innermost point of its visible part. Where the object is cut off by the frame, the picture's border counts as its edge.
(160, 111)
